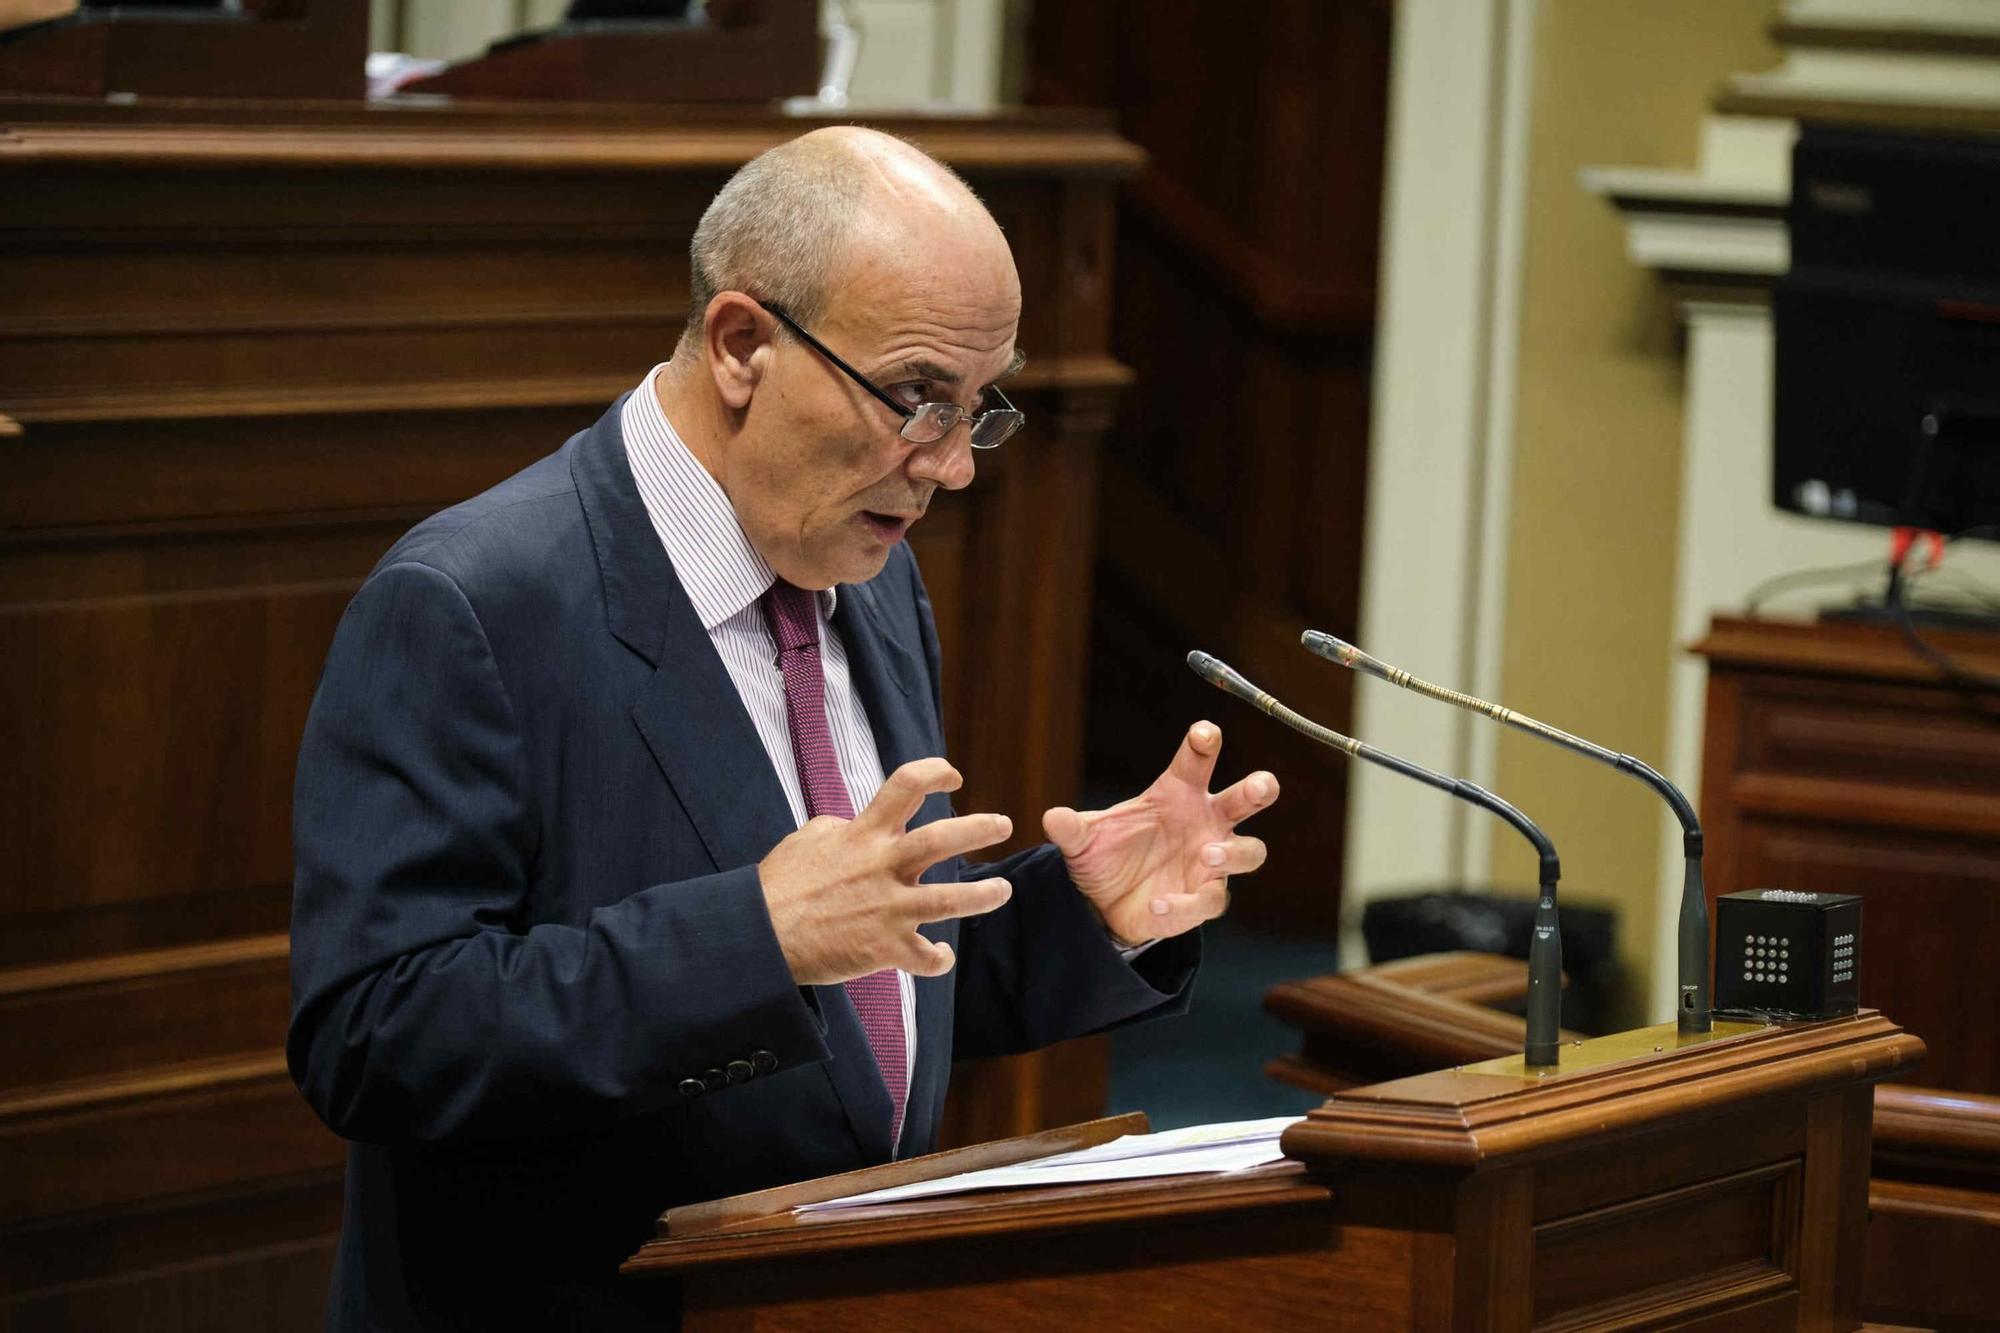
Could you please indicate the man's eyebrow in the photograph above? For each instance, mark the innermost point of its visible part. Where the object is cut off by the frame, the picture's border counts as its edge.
(923, 368)
(920, 368)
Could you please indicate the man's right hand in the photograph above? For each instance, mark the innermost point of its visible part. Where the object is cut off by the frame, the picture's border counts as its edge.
(843, 894)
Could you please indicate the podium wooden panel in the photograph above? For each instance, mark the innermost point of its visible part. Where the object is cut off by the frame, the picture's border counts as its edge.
(1717, 1182)
(243, 345)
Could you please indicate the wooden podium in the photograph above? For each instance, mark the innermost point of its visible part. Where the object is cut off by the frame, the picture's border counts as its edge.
(1651, 1179)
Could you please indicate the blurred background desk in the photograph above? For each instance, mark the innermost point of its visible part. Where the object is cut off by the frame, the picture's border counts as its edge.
(1838, 760)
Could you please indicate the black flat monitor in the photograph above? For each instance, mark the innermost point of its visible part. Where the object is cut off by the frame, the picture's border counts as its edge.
(1887, 385)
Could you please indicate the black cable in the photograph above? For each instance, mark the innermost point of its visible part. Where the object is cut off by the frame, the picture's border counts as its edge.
(1805, 578)
(1951, 667)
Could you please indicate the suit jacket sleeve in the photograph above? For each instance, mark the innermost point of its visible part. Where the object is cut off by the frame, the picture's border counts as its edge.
(426, 1005)
(1042, 968)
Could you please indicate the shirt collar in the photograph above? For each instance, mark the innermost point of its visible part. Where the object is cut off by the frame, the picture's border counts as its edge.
(722, 572)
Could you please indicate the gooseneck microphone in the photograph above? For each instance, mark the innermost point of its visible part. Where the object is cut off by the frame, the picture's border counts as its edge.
(1693, 1014)
(1545, 949)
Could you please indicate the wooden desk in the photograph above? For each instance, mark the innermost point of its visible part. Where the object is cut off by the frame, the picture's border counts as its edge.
(1651, 1180)
(1836, 759)
(245, 345)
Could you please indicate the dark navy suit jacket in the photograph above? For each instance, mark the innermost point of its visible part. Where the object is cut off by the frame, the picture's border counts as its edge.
(529, 948)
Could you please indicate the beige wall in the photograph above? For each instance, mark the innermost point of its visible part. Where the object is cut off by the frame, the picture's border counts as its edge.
(1587, 640)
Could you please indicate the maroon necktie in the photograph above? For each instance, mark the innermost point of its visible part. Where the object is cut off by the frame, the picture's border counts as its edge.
(793, 615)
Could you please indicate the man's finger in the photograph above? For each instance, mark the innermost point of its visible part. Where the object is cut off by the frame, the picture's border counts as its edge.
(1067, 829)
(926, 958)
(1194, 762)
(921, 848)
(1176, 912)
(946, 902)
(1232, 856)
(1247, 797)
(903, 793)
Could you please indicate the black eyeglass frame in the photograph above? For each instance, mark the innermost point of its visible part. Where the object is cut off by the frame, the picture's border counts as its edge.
(1006, 414)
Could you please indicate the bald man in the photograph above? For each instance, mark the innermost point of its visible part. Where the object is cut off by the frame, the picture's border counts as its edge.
(627, 873)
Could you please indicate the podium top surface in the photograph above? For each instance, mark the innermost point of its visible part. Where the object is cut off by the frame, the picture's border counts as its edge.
(1478, 1116)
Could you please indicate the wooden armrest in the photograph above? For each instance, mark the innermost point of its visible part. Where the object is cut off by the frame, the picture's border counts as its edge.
(1936, 1134)
(1406, 1017)
(1477, 978)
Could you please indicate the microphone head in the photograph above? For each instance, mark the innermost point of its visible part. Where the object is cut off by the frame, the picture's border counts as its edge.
(1223, 676)
(1332, 649)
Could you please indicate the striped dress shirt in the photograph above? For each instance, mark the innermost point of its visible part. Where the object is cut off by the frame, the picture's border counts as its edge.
(726, 580)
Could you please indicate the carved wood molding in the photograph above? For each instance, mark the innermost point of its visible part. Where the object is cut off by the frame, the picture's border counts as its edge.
(481, 146)
(1866, 804)
(100, 1093)
(1937, 1203)
(142, 964)
(200, 402)
(303, 318)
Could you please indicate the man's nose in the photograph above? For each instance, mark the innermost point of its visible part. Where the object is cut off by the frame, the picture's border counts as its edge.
(946, 462)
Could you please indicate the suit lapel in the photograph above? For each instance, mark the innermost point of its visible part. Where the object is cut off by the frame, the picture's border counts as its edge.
(689, 714)
(700, 735)
(891, 684)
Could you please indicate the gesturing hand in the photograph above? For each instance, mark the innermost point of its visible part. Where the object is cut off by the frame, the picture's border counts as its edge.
(1159, 864)
(843, 894)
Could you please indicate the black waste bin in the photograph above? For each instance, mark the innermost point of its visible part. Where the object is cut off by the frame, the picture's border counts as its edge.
(1444, 920)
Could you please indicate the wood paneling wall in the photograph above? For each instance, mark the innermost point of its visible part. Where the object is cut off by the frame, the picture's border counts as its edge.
(1234, 478)
(242, 348)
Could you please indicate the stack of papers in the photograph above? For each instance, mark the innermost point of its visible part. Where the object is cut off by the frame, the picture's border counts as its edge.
(1236, 1145)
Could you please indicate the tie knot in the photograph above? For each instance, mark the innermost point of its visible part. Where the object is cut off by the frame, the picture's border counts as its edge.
(794, 616)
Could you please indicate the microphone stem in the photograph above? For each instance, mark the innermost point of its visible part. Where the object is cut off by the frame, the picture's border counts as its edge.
(1545, 947)
(1692, 1013)
(1545, 981)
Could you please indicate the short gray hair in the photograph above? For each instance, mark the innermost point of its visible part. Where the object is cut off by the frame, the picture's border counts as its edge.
(775, 231)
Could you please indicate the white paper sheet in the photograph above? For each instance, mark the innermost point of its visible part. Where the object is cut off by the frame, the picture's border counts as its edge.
(1198, 1149)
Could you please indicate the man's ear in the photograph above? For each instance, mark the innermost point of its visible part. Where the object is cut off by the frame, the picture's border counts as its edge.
(737, 343)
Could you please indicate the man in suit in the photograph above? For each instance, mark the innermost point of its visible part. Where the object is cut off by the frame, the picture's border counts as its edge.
(627, 872)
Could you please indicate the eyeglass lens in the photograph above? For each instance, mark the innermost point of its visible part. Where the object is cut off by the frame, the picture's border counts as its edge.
(933, 421)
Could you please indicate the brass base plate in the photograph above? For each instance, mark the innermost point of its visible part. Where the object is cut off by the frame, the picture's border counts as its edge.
(1617, 1048)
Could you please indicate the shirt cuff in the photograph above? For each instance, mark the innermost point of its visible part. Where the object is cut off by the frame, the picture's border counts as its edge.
(1129, 954)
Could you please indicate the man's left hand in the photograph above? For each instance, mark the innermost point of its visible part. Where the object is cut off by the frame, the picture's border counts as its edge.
(1159, 864)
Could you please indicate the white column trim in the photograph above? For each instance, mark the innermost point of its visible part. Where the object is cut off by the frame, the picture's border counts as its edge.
(1441, 446)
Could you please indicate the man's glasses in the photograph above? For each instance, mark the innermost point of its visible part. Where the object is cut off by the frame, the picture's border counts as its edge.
(925, 423)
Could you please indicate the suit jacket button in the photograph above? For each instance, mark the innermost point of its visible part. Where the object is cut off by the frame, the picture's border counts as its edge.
(691, 1087)
(712, 1079)
(740, 1071)
(764, 1061)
